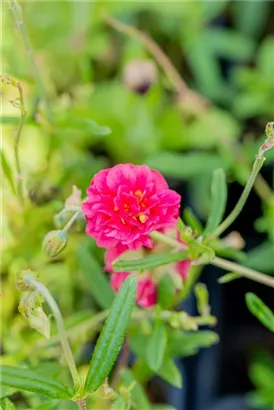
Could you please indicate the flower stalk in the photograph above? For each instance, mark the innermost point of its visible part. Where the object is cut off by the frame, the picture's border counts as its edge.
(221, 263)
(19, 23)
(60, 326)
(20, 104)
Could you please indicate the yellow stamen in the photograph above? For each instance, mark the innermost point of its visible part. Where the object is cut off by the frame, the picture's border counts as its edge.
(142, 218)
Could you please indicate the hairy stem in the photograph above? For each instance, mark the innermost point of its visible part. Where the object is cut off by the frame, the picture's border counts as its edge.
(72, 220)
(19, 22)
(16, 144)
(82, 405)
(240, 204)
(60, 326)
(243, 271)
(221, 263)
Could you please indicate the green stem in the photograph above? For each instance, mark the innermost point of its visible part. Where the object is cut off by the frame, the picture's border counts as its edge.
(60, 326)
(240, 204)
(18, 17)
(160, 237)
(71, 221)
(243, 271)
(221, 263)
(82, 404)
(16, 144)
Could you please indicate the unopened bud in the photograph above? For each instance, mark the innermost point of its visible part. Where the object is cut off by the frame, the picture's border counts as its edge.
(202, 297)
(21, 282)
(31, 308)
(234, 240)
(139, 75)
(269, 130)
(54, 242)
(75, 198)
(6, 79)
(39, 321)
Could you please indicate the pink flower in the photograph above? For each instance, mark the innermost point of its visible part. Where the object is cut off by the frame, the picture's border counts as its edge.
(146, 291)
(126, 203)
(147, 282)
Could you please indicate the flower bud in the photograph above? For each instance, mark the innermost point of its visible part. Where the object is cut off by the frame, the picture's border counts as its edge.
(21, 283)
(139, 75)
(31, 308)
(54, 242)
(39, 321)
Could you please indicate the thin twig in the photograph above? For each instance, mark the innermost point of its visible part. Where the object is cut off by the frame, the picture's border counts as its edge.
(243, 271)
(223, 263)
(19, 24)
(185, 93)
(5, 79)
(60, 326)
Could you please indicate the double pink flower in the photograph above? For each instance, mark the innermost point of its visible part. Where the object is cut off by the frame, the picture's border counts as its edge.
(125, 204)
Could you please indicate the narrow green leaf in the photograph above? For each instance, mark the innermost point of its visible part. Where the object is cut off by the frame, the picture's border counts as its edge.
(166, 291)
(170, 373)
(188, 343)
(156, 346)
(260, 310)
(6, 404)
(112, 335)
(137, 393)
(95, 277)
(149, 262)
(23, 379)
(184, 166)
(228, 277)
(119, 404)
(218, 200)
(191, 220)
(7, 171)
(202, 297)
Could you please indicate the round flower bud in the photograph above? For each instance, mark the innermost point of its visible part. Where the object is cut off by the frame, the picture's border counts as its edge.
(139, 75)
(54, 242)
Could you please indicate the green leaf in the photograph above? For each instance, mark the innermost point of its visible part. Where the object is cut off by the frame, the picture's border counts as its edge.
(218, 200)
(96, 129)
(192, 221)
(261, 258)
(205, 67)
(156, 346)
(250, 16)
(23, 379)
(95, 278)
(6, 404)
(184, 166)
(170, 373)
(265, 59)
(188, 343)
(119, 404)
(260, 310)
(7, 171)
(137, 393)
(112, 335)
(166, 291)
(149, 262)
(230, 44)
(228, 277)
(202, 297)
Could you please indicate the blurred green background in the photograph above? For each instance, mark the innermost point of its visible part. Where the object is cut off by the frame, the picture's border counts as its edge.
(105, 99)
